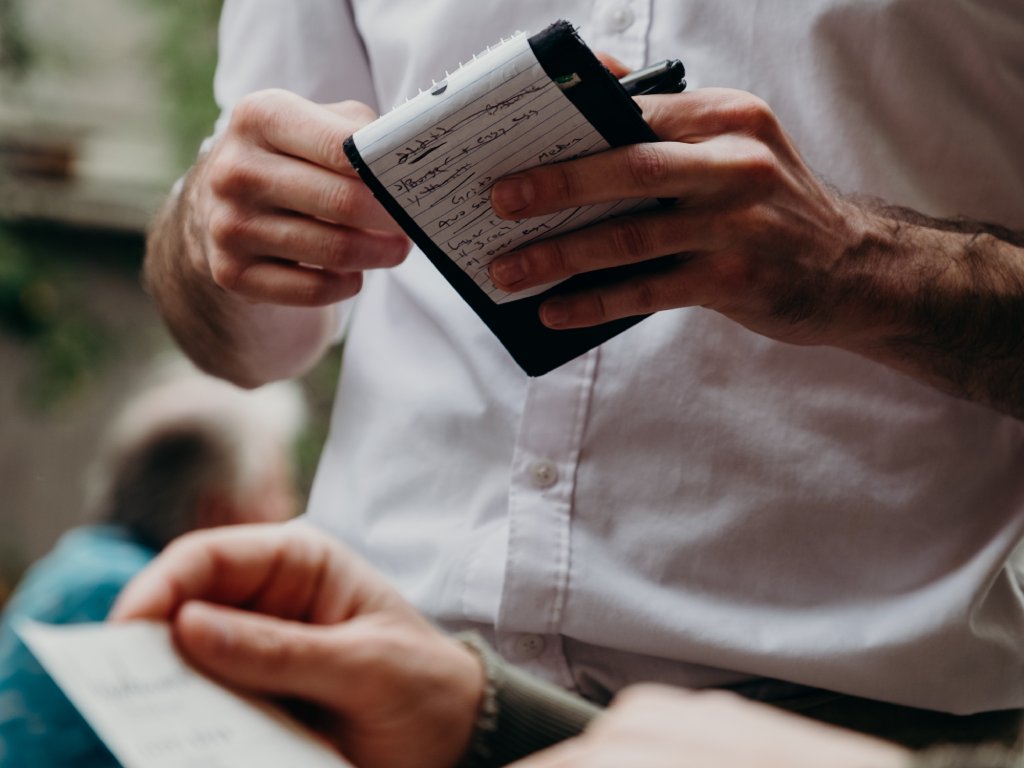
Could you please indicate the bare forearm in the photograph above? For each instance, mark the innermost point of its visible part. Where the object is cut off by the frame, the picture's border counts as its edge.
(757, 237)
(942, 301)
(226, 335)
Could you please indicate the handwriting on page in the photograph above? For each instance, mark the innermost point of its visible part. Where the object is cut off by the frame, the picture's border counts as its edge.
(154, 711)
(440, 153)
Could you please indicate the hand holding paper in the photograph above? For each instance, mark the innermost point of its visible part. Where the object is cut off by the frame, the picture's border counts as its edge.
(287, 611)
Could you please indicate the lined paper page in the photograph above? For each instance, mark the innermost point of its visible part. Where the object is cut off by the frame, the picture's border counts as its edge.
(439, 153)
(154, 711)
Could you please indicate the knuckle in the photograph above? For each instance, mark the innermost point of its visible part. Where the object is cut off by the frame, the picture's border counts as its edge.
(348, 286)
(630, 239)
(597, 309)
(277, 652)
(399, 251)
(551, 259)
(339, 197)
(646, 164)
(326, 288)
(226, 270)
(735, 275)
(760, 168)
(232, 176)
(390, 253)
(357, 110)
(254, 111)
(183, 545)
(566, 182)
(333, 248)
(644, 297)
(754, 114)
(330, 148)
(227, 227)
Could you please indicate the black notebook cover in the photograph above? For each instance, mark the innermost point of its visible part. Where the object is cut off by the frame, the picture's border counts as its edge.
(597, 94)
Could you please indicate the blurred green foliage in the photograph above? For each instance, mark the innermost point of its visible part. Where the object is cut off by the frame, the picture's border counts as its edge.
(186, 56)
(42, 304)
(15, 53)
(39, 297)
(44, 307)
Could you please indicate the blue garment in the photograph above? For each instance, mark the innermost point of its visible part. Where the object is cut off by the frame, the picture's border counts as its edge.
(77, 581)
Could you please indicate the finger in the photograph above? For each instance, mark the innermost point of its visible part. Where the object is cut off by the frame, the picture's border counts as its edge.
(611, 63)
(292, 184)
(695, 116)
(272, 281)
(350, 109)
(261, 654)
(226, 565)
(288, 123)
(730, 167)
(317, 581)
(302, 240)
(618, 241)
(665, 288)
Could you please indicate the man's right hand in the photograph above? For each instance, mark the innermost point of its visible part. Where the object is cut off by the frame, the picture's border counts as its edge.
(287, 611)
(279, 214)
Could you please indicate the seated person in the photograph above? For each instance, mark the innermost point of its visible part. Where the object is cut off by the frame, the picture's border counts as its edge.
(390, 691)
(188, 452)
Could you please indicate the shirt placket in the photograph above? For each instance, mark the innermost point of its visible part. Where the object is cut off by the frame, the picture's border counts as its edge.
(540, 513)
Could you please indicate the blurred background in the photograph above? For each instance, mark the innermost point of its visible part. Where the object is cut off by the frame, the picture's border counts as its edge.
(102, 105)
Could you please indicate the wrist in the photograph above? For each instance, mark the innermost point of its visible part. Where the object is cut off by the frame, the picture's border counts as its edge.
(868, 287)
(518, 714)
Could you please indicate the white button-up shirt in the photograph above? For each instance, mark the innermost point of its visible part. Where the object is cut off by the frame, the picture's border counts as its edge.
(690, 502)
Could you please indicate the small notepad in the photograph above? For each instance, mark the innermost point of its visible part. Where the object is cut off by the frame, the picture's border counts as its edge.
(439, 155)
(531, 100)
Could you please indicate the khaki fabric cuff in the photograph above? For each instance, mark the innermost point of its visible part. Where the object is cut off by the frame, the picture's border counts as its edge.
(520, 714)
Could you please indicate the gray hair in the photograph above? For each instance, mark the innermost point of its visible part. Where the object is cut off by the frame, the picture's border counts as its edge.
(185, 436)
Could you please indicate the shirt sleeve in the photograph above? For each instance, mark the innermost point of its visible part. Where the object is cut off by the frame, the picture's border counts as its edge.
(309, 47)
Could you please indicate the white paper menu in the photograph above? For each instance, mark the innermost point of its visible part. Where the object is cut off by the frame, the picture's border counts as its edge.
(154, 711)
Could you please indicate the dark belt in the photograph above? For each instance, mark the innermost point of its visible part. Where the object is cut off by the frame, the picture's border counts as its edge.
(910, 726)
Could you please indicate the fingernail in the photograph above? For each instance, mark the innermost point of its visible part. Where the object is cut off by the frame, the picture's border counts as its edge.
(508, 271)
(511, 195)
(554, 313)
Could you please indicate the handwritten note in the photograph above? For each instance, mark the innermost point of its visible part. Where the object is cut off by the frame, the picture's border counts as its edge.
(154, 711)
(440, 153)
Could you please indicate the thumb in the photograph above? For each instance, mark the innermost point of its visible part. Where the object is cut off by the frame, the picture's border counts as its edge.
(259, 653)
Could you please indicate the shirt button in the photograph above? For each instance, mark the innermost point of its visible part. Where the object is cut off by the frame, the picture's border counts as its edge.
(544, 474)
(529, 647)
(619, 19)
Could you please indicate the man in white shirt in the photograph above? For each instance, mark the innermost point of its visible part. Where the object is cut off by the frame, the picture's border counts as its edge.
(811, 473)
